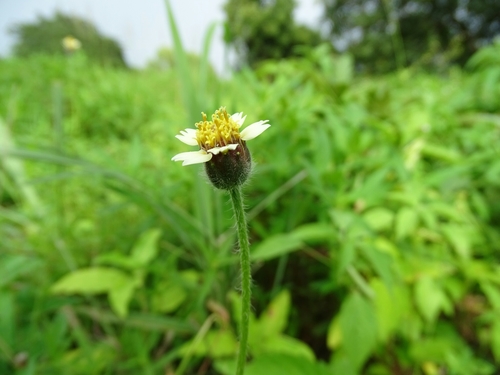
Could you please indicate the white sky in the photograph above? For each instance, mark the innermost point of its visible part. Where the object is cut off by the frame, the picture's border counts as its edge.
(139, 26)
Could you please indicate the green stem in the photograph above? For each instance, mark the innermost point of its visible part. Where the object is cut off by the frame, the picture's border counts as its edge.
(241, 226)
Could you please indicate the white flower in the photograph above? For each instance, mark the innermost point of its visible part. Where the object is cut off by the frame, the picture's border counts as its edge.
(220, 135)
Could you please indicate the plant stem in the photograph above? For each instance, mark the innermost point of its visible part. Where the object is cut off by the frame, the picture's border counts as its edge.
(241, 226)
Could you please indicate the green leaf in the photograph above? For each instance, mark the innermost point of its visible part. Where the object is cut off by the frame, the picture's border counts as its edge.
(347, 255)
(286, 345)
(216, 344)
(379, 218)
(14, 266)
(459, 236)
(275, 317)
(440, 153)
(7, 318)
(492, 293)
(168, 296)
(116, 259)
(146, 247)
(390, 305)
(16, 169)
(380, 261)
(334, 334)
(406, 222)
(430, 298)
(342, 364)
(495, 339)
(358, 324)
(119, 297)
(316, 232)
(92, 281)
(276, 246)
(280, 364)
(430, 349)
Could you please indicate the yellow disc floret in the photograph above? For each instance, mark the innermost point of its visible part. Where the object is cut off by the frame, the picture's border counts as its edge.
(219, 132)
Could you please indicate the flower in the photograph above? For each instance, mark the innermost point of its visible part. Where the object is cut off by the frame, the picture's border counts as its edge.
(71, 44)
(222, 147)
(217, 136)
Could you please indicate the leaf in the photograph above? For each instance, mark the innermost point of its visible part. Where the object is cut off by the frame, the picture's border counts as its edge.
(495, 339)
(315, 232)
(116, 259)
(390, 305)
(276, 246)
(168, 296)
(381, 262)
(286, 345)
(406, 222)
(91, 281)
(146, 247)
(440, 153)
(14, 266)
(16, 169)
(358, 324)
(341, 364)
(275, 317)
(347, 255)
(119, 298)
(492, 293)
(280, 364)
(379, 219)
(459, 236)
(430, 349)
(412, 153)
(216, 344)
(7, 318)
(430, 298)
(334, 335)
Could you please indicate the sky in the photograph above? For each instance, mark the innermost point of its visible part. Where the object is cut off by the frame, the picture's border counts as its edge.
(140, 27)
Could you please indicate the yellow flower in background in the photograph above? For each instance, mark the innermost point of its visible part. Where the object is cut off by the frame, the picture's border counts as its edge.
(71, 44)
(222, 147)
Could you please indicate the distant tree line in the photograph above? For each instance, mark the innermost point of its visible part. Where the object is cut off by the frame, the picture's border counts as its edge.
(261, 30)
(384, 34)
(381, 35)
(46, 35)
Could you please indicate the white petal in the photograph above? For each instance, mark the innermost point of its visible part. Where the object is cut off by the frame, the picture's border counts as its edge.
(238, 118)
(254, 130)
(193, 157)
(188, 137)
(216, 150)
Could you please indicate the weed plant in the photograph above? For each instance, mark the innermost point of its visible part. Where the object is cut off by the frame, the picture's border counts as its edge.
(374, 216)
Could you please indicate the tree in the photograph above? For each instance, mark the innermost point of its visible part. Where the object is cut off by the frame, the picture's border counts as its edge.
(385, 34)
(46, 36)
(260, 30)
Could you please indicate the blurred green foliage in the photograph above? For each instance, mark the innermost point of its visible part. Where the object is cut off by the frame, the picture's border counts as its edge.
(47, 33)
(261, 30)
(384, 35)
(373, 218)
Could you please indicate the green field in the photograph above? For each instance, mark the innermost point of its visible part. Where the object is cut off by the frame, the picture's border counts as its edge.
(373, 213)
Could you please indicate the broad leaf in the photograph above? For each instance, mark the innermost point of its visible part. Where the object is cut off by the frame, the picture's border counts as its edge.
(92, 281)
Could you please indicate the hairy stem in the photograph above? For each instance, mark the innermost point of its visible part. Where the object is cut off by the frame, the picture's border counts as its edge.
(241, 226)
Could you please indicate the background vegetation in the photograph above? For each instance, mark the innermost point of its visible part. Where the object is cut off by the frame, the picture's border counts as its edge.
(373, 212)
(47, 33)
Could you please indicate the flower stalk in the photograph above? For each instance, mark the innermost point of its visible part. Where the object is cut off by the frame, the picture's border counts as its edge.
(246, 276)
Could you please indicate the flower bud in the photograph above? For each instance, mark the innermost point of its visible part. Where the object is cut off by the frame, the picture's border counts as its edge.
(230, 169)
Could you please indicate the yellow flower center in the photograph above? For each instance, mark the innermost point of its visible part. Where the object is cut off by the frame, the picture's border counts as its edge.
(219, 132)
